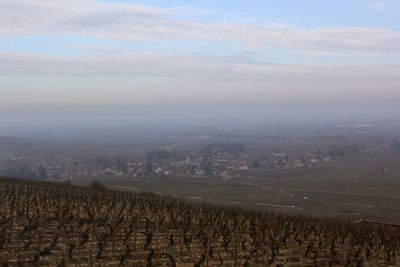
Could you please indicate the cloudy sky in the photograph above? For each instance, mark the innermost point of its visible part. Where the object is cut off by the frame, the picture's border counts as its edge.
(213, 52)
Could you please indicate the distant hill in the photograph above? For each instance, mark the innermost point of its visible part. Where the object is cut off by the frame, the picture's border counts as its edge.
(54, 224)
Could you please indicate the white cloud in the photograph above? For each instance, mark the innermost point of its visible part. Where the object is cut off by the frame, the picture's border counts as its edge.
(149, 23)
(146, 78)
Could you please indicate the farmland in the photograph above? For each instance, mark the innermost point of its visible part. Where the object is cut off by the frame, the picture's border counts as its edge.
(50, 224)
(359, 186)
(362, 188)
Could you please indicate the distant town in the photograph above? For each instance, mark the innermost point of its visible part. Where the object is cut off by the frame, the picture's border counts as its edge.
(211, 160)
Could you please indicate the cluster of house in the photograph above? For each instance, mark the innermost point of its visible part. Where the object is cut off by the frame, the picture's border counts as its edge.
(187, 164)
(284, 161)
(212, 160)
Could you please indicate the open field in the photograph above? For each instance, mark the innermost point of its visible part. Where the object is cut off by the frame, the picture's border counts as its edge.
(358, 188)
(366, 186)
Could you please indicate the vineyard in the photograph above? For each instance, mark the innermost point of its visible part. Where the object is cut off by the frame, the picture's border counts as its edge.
(49, 224)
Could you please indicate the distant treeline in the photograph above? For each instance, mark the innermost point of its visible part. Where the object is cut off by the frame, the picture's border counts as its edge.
(231, 148)
(396, 146)
(210, 148)
(160, 154)
(120, 163)
(24, 171)
(343, 151)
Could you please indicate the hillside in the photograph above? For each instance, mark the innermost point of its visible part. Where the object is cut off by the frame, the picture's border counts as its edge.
(51, 224)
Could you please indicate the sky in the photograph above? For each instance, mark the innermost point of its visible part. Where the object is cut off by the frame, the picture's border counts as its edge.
(87, 56)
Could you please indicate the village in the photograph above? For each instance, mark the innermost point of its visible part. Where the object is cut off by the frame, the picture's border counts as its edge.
(185, 164)
(210, 160)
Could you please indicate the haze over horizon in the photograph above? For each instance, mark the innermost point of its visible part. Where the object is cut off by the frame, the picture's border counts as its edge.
(82, 61)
